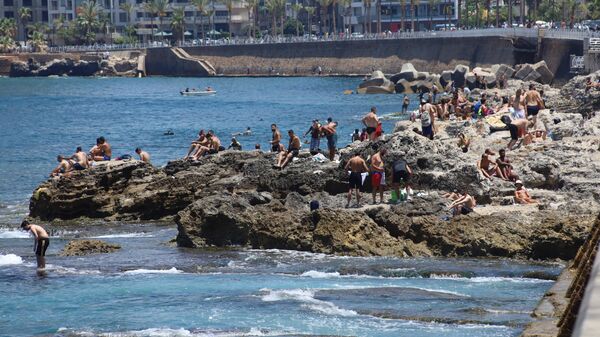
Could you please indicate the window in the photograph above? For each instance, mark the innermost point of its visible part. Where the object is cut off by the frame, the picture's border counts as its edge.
(69, 17)
(139, 15)
(55, 16)
(44, 3)
(139, 1)
(69, 4)
(27, 3)
(123, 17)
(221, 13)
(9, 14)
(189, 14)
(8, 3)
(44, 16)
(122, 2)
(54, 5)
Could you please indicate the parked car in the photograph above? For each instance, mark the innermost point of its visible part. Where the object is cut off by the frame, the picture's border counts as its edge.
(357, 35)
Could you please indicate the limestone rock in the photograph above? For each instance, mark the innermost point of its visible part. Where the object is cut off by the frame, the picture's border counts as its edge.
(87, 247)
(407, 72)
(20, 69)
(546, 76)
(523, 71)
(459, 74)
(446, 78)
(502, 69)
(403, 87)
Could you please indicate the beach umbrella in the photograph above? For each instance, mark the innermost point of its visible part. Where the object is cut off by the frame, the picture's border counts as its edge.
(187, 33)
(213, 33)
(163, 34)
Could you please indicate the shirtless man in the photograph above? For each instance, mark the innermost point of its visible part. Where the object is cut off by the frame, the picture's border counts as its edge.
(196, 145)
(41, 241)
(534, 102)
(517, 128)
(102, 151)
(522, 195)
(211, 146)
(378, 174)
(517, 103)
(293, 150)
(371, 121)
(356, 165)
(505, 167)
(427, 119)
(330, 132)
(63, 168)
(144, 156)
(463, 205)
(401, 174)
(81, 160)
(275, 138)
(487, 166)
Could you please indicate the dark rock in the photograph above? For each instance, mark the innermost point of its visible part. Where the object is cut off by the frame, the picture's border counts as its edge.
(87, 247)
(84, 68)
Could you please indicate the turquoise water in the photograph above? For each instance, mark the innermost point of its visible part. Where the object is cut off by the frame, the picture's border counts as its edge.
(151, 288)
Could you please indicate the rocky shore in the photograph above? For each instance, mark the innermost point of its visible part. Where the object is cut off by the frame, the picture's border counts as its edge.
(237, 198)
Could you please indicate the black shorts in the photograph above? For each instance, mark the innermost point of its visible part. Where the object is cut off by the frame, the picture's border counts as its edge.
(78, 167)
(275, 147)
(355, 180)
(294, 152)
(370, 130)
(212, 151)
(400, 176)
(532, 110)
(514, 131)
(464, 210)
(40, 247)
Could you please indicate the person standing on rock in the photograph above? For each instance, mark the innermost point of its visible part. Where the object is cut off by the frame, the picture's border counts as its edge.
(330, 132)
(405, 104)
(293, 150)
(80, 158)
(533, 101)
(356, 166)
(517, 103)
(315, 139)
(40, 243)
(427, 119)
(378, 175)
(371, 121)
(144, 156)
(401, 173)
(275, 138)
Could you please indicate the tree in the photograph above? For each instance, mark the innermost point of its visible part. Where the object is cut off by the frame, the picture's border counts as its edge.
(432, 4)
(334, 14)
(229, 5)
(367, 16)
(251, 6)
(8, 29)
(378, 9)
(310, 11)
(346, 5)
(296, 8)
(201, 6)
(37, 36)
(412, 15)
(402, 12)
(127, 8)
(87, 19)
(178, 22)
(324, 11)
(459, 9)
(272, 7)
(150, 7)
(487, 12)
(24, 15)
(161, 10)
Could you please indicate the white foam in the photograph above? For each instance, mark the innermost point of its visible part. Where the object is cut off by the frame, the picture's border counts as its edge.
(319, 274)
(491, 279)
(10, 259)
(167, 332)
(123, 235)
(153, 271)
(13, 234)
(72, 271)
(440, 291)
(307, 299)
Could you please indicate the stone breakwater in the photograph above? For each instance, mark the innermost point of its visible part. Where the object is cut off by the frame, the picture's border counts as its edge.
(236, 198)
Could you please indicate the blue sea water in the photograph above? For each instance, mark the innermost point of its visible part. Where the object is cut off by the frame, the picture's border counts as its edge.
(151, 288)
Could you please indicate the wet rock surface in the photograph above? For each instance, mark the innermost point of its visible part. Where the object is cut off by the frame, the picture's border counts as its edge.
(87, 247)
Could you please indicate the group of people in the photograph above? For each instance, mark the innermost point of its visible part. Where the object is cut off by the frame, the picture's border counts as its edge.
(207, 143)
(80, 160)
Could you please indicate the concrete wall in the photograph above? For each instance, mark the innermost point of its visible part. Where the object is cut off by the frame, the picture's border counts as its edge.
(356, 57)
(556, 53)
(167, 62)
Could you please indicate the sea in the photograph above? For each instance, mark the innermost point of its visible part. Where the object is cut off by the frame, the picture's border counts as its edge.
(150, 287)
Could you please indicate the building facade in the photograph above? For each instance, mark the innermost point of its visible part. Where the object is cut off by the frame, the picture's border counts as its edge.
(38, 10)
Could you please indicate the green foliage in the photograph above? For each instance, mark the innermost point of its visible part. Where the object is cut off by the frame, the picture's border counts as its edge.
(290, 27)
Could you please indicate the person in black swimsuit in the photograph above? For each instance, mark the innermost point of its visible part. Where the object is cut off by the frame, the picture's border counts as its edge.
(41, 243)
(293, 150)
(356, 166)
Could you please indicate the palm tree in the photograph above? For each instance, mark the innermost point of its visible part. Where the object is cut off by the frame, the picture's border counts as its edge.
(378, 9)
(87, 17)
(127, 8)
(346, 4)
(296, 9)
(272, 7)
(324, 11)
(8, 27)
(178, 21)
(229, 5)
(431, 6)
(251, 7)
(459, 13)
(150, 7)
(367, 16)
(333, 15)
(402, 13)
(310, 11)
(161, 10)
(201, 6)
(412, 15)
(24, 16)
(497, 13)
(488, 7)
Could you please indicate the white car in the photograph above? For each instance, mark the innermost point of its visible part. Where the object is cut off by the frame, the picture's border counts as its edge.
(357, 35)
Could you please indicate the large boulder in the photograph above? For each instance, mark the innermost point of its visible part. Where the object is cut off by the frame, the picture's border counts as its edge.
(546, 76)
(502, 70)
(377, 84)
(56, 67)
(84, 68)
(459, 74)
(20, 69)
(407, 72)
(404, 87)
(523, 71)
(87, 247)
(445, 78)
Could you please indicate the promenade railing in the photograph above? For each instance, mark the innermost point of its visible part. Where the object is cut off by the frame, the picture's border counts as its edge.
(487, 32)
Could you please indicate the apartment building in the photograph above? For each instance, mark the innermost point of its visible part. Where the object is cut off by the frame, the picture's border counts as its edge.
(39, 12)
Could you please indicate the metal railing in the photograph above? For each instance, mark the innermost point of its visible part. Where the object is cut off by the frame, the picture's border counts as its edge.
(487, 32)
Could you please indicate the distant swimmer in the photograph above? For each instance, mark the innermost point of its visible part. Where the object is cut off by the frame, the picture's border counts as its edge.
(169, 133)
(248, 132)
(144, 156)
(41, 242)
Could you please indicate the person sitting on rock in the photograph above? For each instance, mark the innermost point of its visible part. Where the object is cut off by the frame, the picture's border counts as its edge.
(80, 160)
(364, 136)
(454, 195)
(293, 150)
(144, 156)
(589, 85)
(522, 195)
(235, 145)
(505, 167)
(457, 104)
(102, 151)
(463, 205)
(378, 174)
(487, 166)
(196, 145)
(64, 167)
(355, 136)
(212, 147)
(356, 166)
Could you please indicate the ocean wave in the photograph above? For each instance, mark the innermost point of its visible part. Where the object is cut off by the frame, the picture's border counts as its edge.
(123, 235)
(307, 300)
(489, 279)
(153, 271)
(10, 233)
(167, 332)
(10, 259)
(440, 291)
(71, 271)
(320, 274)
